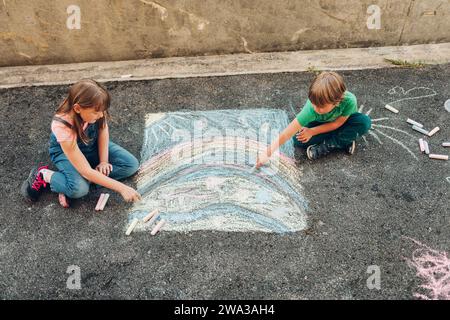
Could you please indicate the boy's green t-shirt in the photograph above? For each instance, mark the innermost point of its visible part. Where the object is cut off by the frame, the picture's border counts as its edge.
(345, 108)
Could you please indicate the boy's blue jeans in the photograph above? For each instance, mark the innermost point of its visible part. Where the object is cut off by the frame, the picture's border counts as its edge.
(69, 181)
(356, 125)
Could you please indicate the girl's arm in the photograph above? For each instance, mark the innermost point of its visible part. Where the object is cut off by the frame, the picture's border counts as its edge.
(284, 136)
(103, 141)
(79, 161)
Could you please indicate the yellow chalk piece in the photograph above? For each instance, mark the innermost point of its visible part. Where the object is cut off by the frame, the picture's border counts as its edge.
(132, 226)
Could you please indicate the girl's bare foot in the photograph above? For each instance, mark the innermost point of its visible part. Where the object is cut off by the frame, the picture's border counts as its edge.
(63, 200)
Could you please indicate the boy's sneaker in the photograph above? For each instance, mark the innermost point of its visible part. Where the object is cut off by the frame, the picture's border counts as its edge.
(33, 186)
(316, 151)
(351, 148)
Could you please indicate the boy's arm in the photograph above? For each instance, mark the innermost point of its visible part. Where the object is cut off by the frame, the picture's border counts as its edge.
(284, 136)
(330, 126)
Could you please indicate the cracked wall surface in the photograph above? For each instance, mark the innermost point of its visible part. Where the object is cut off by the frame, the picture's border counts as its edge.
(37, 32)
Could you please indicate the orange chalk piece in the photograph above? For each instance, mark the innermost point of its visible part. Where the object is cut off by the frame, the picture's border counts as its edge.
(438, 156)
(158, 227)
(150, 215)
(155, 216)
(103, 203)
(99, 202)
(433, 131)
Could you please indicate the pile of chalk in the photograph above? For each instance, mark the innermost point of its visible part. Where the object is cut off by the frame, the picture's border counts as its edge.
(423, 144)
(148, 220)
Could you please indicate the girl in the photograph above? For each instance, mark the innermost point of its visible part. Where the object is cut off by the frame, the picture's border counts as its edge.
(329, 121)
(80, 142)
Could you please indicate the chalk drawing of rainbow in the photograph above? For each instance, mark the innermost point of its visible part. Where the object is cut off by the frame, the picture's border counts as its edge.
(195, 168)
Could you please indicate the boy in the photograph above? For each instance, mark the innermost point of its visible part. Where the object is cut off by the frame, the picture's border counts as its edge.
(329, 121)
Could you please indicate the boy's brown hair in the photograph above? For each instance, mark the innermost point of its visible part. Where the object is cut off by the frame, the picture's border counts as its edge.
(326, 88)
(87, 94)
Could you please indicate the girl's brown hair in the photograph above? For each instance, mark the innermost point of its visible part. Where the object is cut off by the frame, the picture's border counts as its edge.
(326, 88)
(87, 94)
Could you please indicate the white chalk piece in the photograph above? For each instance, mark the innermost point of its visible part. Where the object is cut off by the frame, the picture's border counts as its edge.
(158, 227)
(421, 145)
(433, 131)
(103, 203)
(132, 226)
(438, 156)
(421, 130)
(446, 144)
(99, 202)
(391, 108)
(126, 76)
(155, 216)
(150, 215)
(447, 105)
(427, 147)
(414, 123)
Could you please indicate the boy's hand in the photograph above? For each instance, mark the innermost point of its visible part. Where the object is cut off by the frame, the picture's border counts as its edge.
(104, 168)
(129, 194)
(261, 160)
(304, 135)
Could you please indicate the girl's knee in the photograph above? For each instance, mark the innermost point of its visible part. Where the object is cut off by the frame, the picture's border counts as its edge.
(367, 123)
(77, 189)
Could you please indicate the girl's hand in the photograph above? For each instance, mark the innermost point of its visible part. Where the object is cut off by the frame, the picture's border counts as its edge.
(104, 168)
(304, 135)
(129, 194)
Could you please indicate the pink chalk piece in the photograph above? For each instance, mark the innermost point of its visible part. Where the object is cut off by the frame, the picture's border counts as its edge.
(158, 227)
(432, 132)
(150, 215)
(105, 199)
(421, 145)
(99, 202)
(438, 156)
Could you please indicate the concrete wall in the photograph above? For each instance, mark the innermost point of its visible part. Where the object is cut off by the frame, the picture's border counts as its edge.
(36, 32)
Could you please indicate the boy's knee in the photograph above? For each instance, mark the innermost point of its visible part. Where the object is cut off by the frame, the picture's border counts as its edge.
(77, 189)
(366, 123)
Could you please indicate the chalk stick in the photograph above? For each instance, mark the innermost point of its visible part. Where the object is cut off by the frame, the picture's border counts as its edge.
(103, 203)
(414, 123)
(438, 156)
(391, 108)
(99, 202)
(426, 147)
(126, 76)
(155, 216)
(150, 215)
(421, 130)
(421, 145)
(433, 131)
(132, 226)
(446, 144)
(158, 227)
